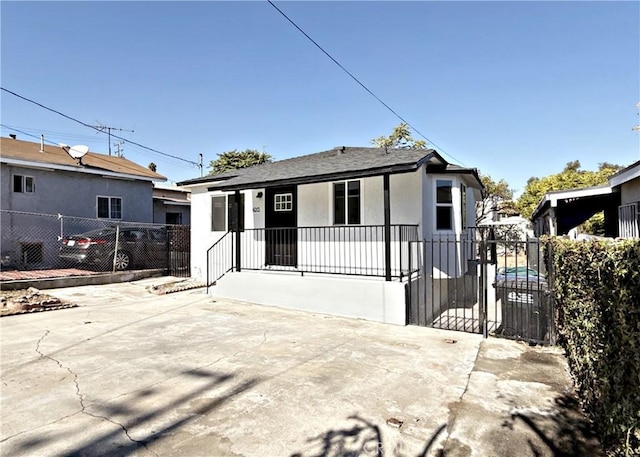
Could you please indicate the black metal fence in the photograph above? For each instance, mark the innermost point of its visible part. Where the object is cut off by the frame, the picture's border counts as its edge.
(32, 241)
(482, 285)
(345, 250)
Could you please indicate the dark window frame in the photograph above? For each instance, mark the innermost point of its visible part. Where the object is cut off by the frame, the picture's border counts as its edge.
(112, 211)
(444, 206)
(24, 184)
(347, 202)
(231, 212)
(219, 217)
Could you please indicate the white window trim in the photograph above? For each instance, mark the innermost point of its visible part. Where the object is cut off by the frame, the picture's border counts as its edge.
(109, 197)
(288, 202)
(451, 205)
(24, 184)
(332, 202)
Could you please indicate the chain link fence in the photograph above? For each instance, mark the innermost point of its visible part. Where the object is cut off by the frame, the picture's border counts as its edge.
(32, 241)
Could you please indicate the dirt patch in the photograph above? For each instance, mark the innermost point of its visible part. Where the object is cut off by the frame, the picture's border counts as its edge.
(175, 286)
(30, 300)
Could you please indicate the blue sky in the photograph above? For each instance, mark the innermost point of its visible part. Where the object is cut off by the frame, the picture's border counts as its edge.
(516, 89)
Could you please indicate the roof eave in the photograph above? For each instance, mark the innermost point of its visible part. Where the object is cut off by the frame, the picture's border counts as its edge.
(79, 169)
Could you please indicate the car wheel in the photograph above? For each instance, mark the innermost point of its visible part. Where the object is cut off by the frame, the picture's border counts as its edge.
(122, 261)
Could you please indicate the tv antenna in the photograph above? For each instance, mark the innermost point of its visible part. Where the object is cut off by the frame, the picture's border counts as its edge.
(120, 150)
(102, 128)
(77, 152)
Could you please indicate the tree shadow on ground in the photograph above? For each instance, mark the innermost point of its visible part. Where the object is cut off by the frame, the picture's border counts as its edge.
(104, 444)
(565, 434)
(363, 438)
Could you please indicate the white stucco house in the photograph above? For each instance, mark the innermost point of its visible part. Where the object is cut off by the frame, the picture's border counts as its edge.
(329, 232)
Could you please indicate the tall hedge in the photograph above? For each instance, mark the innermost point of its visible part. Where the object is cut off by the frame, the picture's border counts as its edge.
(597, 287)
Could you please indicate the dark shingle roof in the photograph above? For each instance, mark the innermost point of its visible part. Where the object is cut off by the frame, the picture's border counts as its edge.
(323, 166)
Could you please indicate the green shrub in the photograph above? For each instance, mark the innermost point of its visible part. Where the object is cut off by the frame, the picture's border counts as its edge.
(597, 286)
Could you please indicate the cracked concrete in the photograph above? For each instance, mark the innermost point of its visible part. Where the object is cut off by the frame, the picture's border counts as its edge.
(188, 374)
(83, 409)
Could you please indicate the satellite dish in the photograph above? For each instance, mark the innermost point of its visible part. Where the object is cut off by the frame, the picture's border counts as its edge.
(78, 151)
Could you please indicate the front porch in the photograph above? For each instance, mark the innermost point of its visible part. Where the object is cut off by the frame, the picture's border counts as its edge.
(363, 250)
(352, 271)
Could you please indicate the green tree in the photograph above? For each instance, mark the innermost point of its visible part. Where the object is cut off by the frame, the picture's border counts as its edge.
(232, 160)
(496, 196)
(572, 177)
(400, 138)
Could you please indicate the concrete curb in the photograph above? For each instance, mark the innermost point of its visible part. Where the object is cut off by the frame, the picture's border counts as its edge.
(72, 281)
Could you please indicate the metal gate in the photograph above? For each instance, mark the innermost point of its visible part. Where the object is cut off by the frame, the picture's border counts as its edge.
(179, 250)
(480, 284)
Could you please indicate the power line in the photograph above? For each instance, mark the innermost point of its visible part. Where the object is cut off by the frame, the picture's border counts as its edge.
(98, 129)
(27, 134)
(97, 157)
(50, 132)
(360, 83)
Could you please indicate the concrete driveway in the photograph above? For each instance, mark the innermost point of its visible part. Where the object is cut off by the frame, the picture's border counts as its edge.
(129, 372)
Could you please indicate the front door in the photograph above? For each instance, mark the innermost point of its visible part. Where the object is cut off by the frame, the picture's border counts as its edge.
(281, 237)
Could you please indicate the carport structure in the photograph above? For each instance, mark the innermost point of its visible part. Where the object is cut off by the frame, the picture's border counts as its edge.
(560, 211)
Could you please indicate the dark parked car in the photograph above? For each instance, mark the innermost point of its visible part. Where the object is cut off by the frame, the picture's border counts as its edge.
(143, 247)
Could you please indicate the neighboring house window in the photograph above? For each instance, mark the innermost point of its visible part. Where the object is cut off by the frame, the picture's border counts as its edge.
(346, 202)
(24, 184)
(32, 252)
(173, 218)
(232, 212)
(109, 208)
(283, 202)
(444, 205)
(218, 214)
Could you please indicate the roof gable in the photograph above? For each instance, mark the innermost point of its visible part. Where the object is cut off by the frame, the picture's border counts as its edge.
(55, 157)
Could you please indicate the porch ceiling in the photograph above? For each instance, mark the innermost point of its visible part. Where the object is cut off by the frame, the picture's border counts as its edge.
(573, 212)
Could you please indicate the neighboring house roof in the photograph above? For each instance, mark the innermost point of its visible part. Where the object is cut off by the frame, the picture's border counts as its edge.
(512, 220)
(625, 175)
(552, 198)
(573, 207)
(172, 195)
(337, 163)
(28, 154)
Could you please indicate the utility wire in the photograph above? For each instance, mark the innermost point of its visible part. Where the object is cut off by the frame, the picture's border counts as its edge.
(97, 157)
(50, 133)
(27, 134)
(359, 82)
(98, 129)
